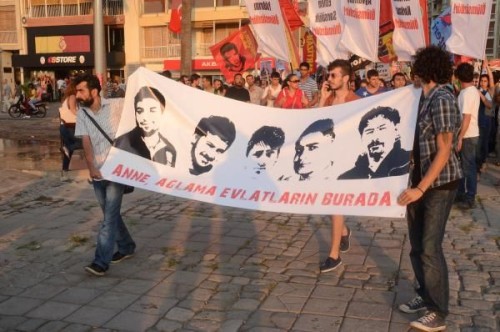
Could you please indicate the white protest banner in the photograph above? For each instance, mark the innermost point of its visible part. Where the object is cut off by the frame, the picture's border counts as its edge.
(269, 28)
(326, 24)
(361, 30)
(314, 161)
(408, 35)
(470, 20)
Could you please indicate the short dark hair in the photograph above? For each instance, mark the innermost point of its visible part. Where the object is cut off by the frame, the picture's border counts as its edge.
(389, 113)
(272, 136)
(275, 74)
(465, 72)
(149, 92)
(398, 74)
(371, 73)
(487, 77)
(344, 65)
(432, 63)
(228, 47)
(324, 126)
(305, 64)
(237, 74)
(166, 73)
(91, 80)
(217, 125)
(194, 77)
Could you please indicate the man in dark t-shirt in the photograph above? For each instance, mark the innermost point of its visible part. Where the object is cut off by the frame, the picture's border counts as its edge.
(238, 91)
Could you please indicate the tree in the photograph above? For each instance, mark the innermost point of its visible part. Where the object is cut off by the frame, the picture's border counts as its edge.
(186, 43)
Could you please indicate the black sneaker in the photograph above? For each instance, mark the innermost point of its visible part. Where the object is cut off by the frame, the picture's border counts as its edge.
(345, 241)
(413, 306)
(118, 257)
(330, 264)
(467, 204)
(429, 322)
(95, 270)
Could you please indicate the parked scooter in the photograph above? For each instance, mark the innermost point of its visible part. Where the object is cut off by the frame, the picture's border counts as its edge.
(23, 107)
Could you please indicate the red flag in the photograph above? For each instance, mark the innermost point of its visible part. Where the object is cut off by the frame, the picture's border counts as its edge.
(290, 15)
(236, 53)
(175, 16)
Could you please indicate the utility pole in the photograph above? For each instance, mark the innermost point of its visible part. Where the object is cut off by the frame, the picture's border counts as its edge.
(186, 43)
(99, 45)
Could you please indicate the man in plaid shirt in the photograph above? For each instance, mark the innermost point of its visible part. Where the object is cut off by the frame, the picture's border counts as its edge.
(434, 183)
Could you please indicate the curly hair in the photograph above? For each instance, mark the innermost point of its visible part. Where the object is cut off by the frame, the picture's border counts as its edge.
(433, 64)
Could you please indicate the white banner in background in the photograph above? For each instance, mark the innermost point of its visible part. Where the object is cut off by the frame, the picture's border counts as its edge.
(313, 161)
(470, 20)
(269, 28)
(408, 34)
(326, 23)
(361, 30)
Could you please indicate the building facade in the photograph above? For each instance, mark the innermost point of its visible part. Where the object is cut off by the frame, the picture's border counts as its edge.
(54, 38)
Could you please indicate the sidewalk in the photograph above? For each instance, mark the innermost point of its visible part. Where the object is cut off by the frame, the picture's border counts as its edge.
(201, 267)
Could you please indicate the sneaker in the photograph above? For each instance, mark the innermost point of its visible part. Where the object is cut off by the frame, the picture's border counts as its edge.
(467, 204)
(429, 322)
(413, 306)
(95, 270)
(118, 257)
(330, 264)
(345, 241)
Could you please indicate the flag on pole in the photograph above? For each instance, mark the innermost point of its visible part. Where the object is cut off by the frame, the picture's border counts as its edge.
(408, 33)
(269, 27)
(175, 16)
(441, 28)
(326, 23)
(290, 15)
(469, 30)
(361, 32)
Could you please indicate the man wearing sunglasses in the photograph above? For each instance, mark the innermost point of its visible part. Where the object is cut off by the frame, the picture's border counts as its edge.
(335, 91)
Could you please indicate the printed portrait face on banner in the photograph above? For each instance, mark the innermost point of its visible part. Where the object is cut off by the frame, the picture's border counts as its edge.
(212, 137)
(312, 150)
(264, 148)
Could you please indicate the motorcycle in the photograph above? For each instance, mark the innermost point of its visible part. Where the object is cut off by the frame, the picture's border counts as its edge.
(23, 107)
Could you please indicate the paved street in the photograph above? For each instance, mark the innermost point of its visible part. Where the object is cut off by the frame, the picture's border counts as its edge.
(201, 267)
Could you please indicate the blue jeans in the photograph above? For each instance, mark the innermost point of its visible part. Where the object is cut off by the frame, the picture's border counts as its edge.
(468, 184)
(427, 219)
(113, 230)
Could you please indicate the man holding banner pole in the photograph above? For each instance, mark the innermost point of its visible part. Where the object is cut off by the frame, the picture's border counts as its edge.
(434, 182)
(335, 91)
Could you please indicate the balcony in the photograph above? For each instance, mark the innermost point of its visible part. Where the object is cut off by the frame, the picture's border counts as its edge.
(174, 51)
(57, 8)
(8, 37)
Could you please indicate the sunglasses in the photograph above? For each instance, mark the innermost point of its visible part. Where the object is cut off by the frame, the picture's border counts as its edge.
(294, 81)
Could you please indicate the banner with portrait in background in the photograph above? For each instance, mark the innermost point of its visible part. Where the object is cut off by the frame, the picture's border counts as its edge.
(236, 53)
(350, 159)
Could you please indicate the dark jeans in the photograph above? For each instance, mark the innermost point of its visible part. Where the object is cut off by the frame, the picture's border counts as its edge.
(69, 141)
(483, 144)
(113, 230)
(468, 184)
(427, 219)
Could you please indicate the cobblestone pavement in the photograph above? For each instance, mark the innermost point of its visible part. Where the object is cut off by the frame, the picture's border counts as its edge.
(201, 267)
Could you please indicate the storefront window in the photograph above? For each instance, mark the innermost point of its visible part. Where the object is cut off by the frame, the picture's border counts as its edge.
(154, 6)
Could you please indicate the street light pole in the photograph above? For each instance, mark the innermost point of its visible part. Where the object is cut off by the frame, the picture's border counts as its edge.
(99, 45)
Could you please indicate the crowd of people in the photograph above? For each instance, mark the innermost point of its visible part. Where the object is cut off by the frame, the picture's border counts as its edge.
(455, 132)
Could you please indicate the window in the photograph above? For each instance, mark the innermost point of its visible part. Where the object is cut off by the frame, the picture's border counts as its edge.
(154, 6)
